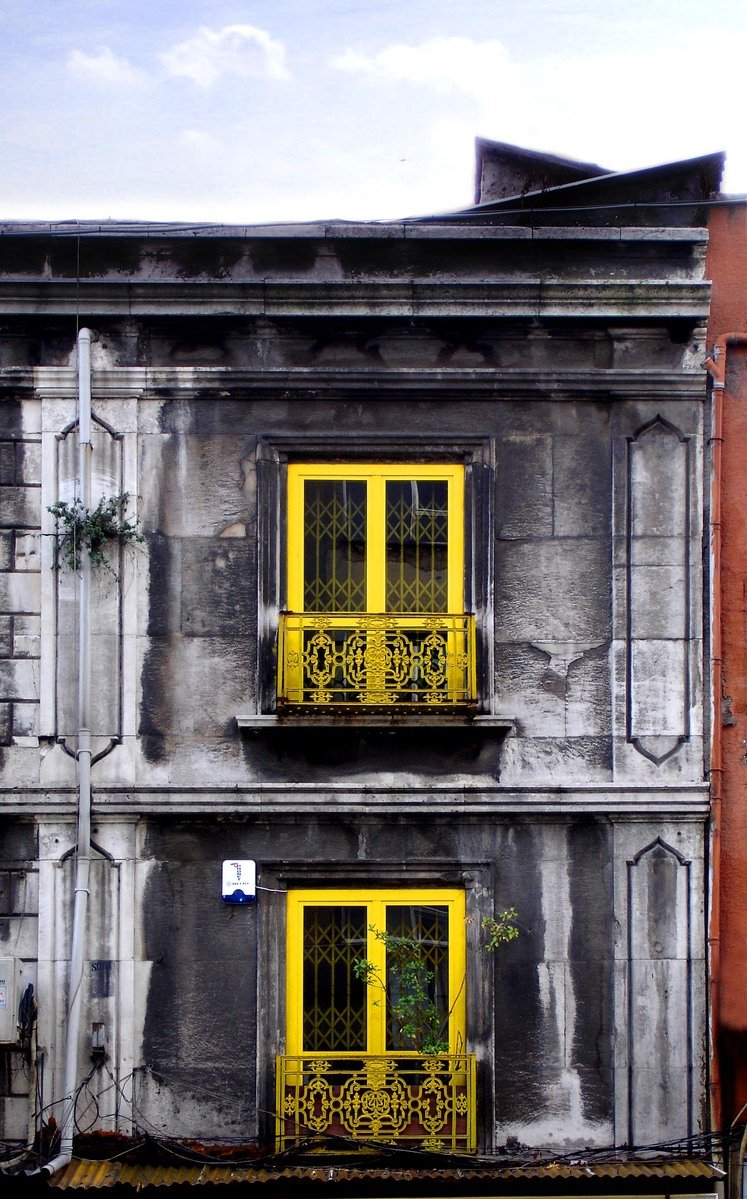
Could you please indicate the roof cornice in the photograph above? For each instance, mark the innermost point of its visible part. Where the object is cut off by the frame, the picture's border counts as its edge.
(410, 298)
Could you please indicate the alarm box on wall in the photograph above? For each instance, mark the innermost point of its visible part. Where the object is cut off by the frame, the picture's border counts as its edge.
(239, 881)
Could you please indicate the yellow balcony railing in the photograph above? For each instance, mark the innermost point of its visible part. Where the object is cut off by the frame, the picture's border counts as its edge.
(392, 660)
(414, 1100)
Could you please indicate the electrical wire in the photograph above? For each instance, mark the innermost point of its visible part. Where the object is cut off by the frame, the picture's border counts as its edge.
(245, 232)
(700, 1140)
(139, 1116)
(77, 287)
(53, 1103)
(697, 1143)
(157, 1133)
(92, 1102)
(115, 1156)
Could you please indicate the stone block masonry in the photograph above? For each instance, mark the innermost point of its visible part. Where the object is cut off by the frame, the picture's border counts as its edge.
(20, 532)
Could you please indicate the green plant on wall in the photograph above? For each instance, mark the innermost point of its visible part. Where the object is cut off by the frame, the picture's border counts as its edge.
(408, 989)
(84, 530)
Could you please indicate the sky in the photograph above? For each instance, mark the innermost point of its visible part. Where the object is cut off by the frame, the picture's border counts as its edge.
(233, 111)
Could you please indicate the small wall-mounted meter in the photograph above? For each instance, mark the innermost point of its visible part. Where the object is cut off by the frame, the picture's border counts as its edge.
(8, 1018)
(239, 881)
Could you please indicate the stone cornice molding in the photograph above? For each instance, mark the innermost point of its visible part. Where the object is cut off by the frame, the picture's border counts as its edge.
(432, 230)
(411, 298)
(212, 383)
(277, 801)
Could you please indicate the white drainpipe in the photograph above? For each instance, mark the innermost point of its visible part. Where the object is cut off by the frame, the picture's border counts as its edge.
(83, 850)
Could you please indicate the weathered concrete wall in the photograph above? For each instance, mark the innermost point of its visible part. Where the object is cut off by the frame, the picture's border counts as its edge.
(579, 1039)
(573, 590)
(548, 1017)
(563, 371)
(19, 911)
(20, 605)
(323, 254)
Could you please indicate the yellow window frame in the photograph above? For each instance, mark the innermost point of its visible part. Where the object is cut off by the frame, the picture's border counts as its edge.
(376, 475)
(376, 903)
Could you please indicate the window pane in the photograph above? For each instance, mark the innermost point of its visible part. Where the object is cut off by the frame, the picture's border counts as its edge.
(334, 551)
(334, 1000)
(428, 928)
(416, 545)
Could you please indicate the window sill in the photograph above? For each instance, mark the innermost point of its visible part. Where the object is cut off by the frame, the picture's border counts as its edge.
(358, 720)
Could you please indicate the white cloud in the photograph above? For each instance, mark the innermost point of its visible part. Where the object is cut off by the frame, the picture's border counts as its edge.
(447, 64)
(197, 139)
(103, 67)
(242, 50)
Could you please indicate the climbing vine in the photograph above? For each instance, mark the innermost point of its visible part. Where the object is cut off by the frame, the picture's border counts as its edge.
(500, 929)
(81, 529)
(407, 989)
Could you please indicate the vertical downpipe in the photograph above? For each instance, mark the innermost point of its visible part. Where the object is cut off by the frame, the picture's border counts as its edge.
(716, 367)
(83, 852)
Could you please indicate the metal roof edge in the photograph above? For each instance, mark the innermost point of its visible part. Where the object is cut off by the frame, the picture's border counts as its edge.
(713, 161)
(85, 1173)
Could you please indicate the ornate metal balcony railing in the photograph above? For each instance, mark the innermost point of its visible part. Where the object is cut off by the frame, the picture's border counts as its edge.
(415, 1100)
(398, 661)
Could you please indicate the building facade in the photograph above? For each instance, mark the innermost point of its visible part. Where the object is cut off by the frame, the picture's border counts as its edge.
(417, 627)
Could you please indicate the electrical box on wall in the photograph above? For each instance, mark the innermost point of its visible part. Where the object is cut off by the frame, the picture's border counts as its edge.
(239, 881)
(8, 1003)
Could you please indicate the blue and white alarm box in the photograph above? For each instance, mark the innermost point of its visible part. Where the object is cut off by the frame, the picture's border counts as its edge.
(239, 881)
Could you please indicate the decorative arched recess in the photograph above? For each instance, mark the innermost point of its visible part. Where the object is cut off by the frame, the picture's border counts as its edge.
(657, 539)
(660, 996)
(107, 467)
(109, 993)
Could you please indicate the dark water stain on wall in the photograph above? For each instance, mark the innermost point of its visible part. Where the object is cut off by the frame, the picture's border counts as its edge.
(200, 1023)
(521, 1063)
(591, 964)
(155, 676)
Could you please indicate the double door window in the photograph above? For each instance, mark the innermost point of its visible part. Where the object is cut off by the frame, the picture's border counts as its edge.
(334, 1007)
(383, 538)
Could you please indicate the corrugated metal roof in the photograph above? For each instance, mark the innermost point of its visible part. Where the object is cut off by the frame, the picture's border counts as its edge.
(83, 1173)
